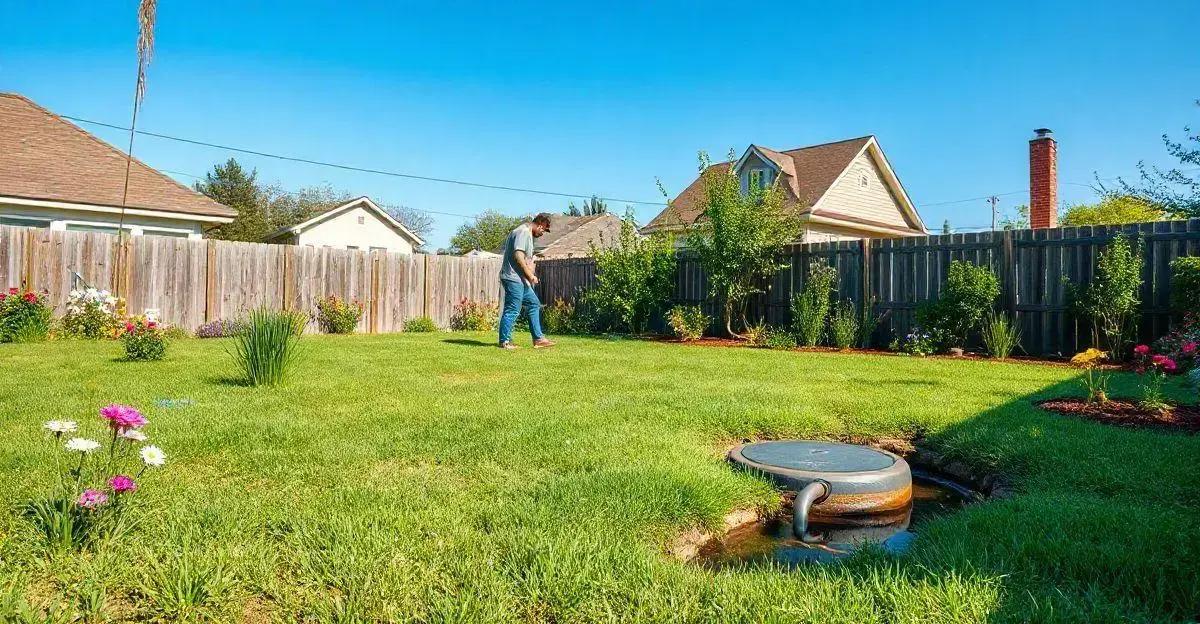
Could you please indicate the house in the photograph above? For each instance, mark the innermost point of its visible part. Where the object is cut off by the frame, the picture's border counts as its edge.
(573, 237)
(357, 224)
(479, 253)
(838, 191)
(55, 175)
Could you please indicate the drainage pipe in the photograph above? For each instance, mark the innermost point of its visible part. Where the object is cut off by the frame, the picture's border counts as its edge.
(811, 494)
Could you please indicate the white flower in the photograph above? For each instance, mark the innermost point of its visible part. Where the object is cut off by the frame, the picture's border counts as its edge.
(61, 426)
(153, 456)
(82, 445)
(133, 435)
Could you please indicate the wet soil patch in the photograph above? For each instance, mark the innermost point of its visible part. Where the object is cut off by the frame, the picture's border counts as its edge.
(1127, 413)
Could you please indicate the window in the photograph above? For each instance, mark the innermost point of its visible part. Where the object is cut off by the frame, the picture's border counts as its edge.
(758, 178)
(355, 247)
(864, 180)
(77, 227)
(362, 220)
(379, 249)
(24, 221)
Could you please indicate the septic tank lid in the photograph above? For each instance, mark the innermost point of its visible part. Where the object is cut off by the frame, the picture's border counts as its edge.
(816, 456)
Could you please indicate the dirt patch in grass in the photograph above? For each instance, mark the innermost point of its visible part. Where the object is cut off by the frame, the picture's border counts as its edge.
(1127, 413)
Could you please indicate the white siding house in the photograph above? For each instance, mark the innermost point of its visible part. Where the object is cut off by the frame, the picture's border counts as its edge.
(356, 224)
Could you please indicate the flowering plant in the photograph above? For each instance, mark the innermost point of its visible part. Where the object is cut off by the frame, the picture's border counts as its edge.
(1182, 343)
(1154, 369)
(24, 316)
(219, 328)
(474, 316)
(917, 342)
(93, 314)
(144, 340)
(1095, 380)
(339, 316)
(92, 494)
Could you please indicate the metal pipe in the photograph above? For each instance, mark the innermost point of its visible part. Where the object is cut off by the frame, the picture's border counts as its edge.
(811, 494)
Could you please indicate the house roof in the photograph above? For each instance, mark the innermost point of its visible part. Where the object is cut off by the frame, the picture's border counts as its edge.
(364, 202)
(806, 174)
(573, 236)
(45, 157)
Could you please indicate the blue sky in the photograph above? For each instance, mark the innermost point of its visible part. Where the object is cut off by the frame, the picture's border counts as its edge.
(604, 97)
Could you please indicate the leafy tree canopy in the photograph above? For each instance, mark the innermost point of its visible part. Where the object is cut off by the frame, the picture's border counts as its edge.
(1175, 190)
(1112, 210)
(593, 206)
(486, 232)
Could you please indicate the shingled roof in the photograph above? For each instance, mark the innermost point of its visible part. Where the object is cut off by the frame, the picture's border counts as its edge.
(45, 157)
(807, 173)
(573, 237)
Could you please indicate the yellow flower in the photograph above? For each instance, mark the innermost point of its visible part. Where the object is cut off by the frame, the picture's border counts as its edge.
(1089, 358)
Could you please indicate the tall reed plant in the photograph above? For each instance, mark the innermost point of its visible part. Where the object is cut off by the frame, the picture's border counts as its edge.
(1000, 336)
(267, 345)
(844, 325)
(810, 308)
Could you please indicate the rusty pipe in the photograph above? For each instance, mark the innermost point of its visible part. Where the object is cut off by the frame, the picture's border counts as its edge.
(811, 494)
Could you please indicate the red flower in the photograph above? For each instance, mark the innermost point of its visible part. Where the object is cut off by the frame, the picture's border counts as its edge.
(151, 324)
(1189, 348)
(12, 290)
(1141, 349)
(129, 327)
(3, 296)
(30, 297)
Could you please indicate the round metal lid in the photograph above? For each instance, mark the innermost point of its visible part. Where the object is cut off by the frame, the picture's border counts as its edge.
(817, 456)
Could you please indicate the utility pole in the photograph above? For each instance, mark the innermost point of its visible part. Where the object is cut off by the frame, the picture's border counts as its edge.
(993, 200)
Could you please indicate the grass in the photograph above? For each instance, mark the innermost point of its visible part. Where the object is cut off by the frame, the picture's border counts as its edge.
(433, 478)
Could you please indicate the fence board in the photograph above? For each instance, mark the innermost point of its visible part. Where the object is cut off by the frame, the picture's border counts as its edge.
(168, 274)
(12, 256)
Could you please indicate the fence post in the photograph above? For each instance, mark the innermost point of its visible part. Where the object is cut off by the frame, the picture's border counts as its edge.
(425, 295)
(210, 281)
(27, 264)
(865, 247)
(1008, 293)
(374, 326)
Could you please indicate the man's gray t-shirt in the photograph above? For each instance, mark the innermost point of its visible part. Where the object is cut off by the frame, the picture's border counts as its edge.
(519, 239)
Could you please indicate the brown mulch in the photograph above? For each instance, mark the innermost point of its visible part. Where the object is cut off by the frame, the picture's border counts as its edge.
(1126, 413)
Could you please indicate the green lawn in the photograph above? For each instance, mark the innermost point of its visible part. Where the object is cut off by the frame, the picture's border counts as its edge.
(432, 478)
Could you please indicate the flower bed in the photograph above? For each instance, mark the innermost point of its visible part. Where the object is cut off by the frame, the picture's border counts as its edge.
(1128, 413)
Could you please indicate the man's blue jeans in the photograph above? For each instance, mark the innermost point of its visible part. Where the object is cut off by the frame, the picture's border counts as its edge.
(517, 293)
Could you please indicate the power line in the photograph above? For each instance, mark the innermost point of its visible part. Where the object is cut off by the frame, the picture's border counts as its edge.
(394, 174)
(971, 199)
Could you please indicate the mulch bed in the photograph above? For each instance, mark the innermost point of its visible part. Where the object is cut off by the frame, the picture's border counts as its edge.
(1126, 413)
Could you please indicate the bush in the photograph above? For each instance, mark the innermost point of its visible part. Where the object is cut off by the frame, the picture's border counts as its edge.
(420, 324)
(220, 328)
(688, 322)
(175, 332)
(143, 340)
(634, 280)
(916, 342)
(92, 314)
(810, 308)
(969, 293)
(778, 338)
(1183, 343)
(24, 316)
(1111, 299)
(474, 316)
(844, 325)
(1000, 336)
(561, 317)
(756, 334)
(268, 344)
(339, 316)
(1185, 285)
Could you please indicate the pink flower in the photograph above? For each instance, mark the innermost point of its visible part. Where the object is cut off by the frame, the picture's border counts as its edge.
(1189, 348)
(30, 297)
(1141, 349)
(1168, 365)
(122, 417)
(151, 324)
(129, 328)
(121, 484)
(91, 499)
(12, 290)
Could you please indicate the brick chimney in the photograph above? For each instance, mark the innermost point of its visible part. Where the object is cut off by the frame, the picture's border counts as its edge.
(1043, 180)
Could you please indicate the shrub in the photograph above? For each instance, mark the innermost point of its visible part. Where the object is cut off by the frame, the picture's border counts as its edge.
(143, 340)
(1095, 379)
(420, 324)
(24, 316)
(1185, 285)
(474, 316)
(810, 308)
(844, 325)
(339, 316)
(1153, 370)
(1000, 336)
(93, 493)
(778, 338)
(1182, 344)
(756, 334)
(968, 294)
(917, 342)
(220, 328)
(688, 322)
(561, 317)
(92, 314)
(267, 346)
(1111, 299)
(634, 280)
(175, 332)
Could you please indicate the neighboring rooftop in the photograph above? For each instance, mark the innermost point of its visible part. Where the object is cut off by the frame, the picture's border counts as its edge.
(573, 237)
(45, 157)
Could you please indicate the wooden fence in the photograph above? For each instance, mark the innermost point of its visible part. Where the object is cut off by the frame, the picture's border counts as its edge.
(193, 281)
(1034, 267)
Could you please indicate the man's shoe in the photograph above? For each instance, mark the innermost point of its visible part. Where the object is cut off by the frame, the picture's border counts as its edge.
(543, 343)
(509, 346)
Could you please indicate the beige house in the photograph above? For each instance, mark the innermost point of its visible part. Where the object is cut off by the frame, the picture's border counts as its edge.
(573, 237)
(357, 224)
(55, 175)
(838, 191)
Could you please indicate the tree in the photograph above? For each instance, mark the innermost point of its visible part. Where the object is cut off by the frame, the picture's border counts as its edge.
(1174, 190)
(593, 206)
(1111, 299)
(946, 229)
(738, 238)
(487, 232)
(1019, 222)
(418, 222)
(634, 278)
(1112, 210)
(230, 184)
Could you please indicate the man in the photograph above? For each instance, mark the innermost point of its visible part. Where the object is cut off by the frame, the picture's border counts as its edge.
(518, 279)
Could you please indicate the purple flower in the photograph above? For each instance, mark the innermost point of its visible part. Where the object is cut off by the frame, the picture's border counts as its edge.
(91, 499)
(122, 417)
(122, 484)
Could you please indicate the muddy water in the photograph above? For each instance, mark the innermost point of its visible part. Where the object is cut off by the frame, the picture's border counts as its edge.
(828, 539)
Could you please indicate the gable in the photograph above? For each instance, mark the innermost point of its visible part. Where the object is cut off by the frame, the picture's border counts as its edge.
(863, 193)
(358, 227)
(753, 162)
